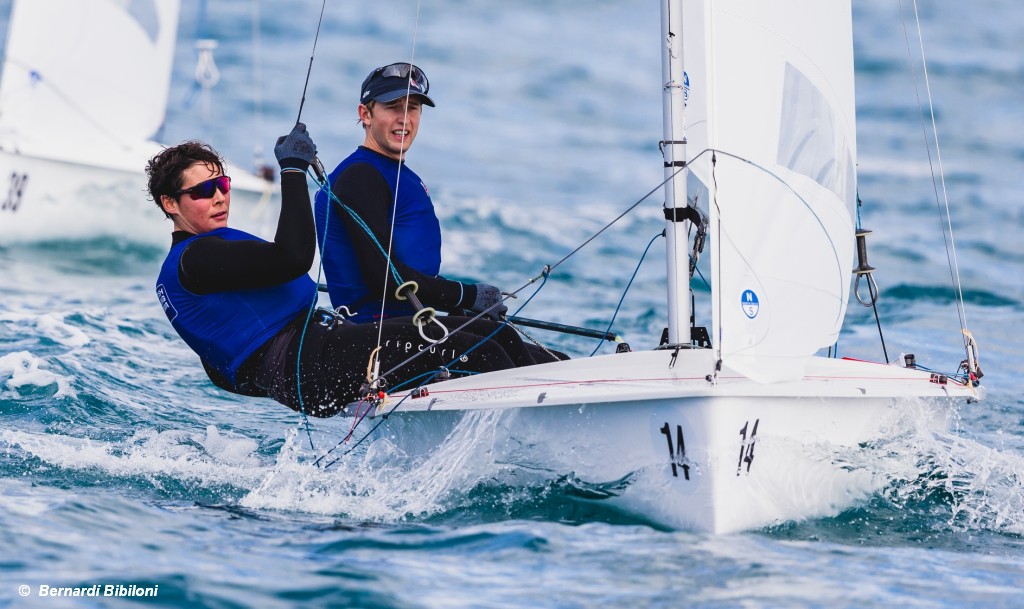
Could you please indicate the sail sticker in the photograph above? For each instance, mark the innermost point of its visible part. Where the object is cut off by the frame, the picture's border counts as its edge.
(686, 87)
(749, 303)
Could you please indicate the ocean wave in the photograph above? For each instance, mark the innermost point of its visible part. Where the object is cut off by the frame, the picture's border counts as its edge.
(947, 295)
(177, 463)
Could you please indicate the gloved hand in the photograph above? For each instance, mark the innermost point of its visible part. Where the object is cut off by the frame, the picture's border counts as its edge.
(295, 150)
(487, 295)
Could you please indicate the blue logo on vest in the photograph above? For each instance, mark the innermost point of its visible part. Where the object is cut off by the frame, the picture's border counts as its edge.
(169, 310)
(749, 303)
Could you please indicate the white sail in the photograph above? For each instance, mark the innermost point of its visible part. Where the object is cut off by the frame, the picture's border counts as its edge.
(99, 73)
(772, 135)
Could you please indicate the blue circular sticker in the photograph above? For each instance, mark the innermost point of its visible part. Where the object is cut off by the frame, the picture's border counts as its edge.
(749, 303)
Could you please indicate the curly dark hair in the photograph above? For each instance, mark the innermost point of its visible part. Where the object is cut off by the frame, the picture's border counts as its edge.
(166, 168)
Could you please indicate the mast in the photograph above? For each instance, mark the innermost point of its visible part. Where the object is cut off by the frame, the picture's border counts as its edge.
(673, 148)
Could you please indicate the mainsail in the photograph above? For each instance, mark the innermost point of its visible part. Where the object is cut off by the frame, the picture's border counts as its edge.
(771, 134)
(68, 79)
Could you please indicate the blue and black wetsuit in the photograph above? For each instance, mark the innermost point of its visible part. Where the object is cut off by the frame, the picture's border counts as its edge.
(354, 250)
(241, 303)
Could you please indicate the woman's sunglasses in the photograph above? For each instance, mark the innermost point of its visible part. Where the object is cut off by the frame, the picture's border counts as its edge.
(205, 190)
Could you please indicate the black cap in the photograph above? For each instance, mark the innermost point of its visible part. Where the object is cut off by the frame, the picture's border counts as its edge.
(390, 82)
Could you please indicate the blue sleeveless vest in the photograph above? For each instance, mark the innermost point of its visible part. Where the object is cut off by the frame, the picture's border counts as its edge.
(225, 328)
(417, 237)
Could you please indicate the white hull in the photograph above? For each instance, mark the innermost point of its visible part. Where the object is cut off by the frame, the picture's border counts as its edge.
(662, 443)
(46, 196)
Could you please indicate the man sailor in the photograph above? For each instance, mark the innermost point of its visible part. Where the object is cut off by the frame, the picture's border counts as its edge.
(385, 208)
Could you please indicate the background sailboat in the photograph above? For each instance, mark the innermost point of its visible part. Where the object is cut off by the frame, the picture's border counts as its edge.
(82, 97)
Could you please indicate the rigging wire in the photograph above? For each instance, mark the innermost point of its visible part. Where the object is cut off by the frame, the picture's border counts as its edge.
(398, 177)
(309, 70)
(624, 213)
(626, 291)
(943, 199)
(257, 84)
(316, 295)
(718, 271)
(870, 281)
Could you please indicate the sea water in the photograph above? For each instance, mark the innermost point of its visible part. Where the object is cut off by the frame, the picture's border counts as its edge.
(121, 465)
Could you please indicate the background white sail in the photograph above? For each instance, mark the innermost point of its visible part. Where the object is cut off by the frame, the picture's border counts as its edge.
(127, 47)
(82, 99)
(771, 91)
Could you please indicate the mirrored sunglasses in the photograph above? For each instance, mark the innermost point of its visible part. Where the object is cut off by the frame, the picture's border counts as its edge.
(205, 190)
(406, 70)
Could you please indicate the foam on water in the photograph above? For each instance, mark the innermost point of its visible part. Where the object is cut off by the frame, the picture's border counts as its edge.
(49, 325)
(981, 485)
(24, 369)
(208, 460)
(379, 482)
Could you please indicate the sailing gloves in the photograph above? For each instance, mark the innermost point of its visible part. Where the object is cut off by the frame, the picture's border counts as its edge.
(487, 295)
(295, 150)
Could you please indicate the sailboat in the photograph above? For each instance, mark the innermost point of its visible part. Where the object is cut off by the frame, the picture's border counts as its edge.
(737, 425)
(83, 93)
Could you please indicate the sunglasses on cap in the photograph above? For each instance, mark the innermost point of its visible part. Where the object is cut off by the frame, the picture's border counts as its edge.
(205, 190)
(405, 70)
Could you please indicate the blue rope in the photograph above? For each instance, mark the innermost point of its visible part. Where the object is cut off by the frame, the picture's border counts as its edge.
(426, 374)
(701, 275)
(322, 244)
(858, 206)
(355, 217)
(302, 340)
